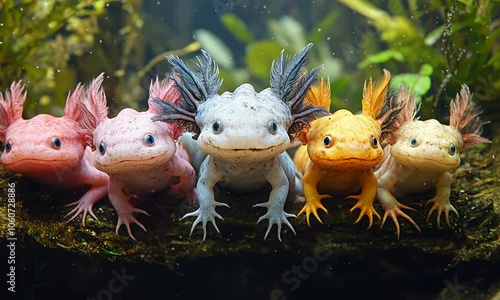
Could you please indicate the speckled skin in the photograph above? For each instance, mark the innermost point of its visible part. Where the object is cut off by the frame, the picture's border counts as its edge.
(340, 152)
(51, 150)
(421, 154)
(141, 156)
(244, 134)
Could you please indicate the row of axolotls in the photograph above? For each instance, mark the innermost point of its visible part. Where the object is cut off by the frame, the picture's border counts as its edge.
(192, 139)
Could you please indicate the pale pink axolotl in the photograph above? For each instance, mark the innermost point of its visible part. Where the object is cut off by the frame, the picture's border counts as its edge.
(141, 156)
(50, 149)
(421, 154)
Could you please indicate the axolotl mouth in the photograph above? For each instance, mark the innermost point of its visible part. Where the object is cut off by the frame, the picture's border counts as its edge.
(135, 164)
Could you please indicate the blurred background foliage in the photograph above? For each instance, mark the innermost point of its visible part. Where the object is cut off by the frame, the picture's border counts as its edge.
(431, 46)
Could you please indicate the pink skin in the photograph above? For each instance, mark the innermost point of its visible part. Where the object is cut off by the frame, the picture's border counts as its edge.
(51, 150)
(421, 155)
(141, 156)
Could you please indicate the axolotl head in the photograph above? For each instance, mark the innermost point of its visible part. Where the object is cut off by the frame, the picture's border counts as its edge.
(43, 143)
(244, 124)
(130, 142)
(431, 145)
(347, 141)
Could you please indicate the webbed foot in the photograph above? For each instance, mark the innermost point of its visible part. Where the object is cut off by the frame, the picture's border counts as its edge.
(312, 205)
(366, 208)
(276, 215)
(394, 212)
(441, 206)
(204, 214)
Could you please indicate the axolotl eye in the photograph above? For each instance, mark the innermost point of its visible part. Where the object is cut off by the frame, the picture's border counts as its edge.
(414, 142)
(328, 141)
(217, 127)
(149, 139)
(374, 142)
(8, 146)
(272, 127)
(56, 143)
(102, 148)
(452, 149)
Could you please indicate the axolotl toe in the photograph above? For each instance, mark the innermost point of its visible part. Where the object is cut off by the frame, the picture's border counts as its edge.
(51, 150)
(421, 154)
(244, 133)
(141, 156)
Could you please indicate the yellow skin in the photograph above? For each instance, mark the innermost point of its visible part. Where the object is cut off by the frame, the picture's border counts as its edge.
(341, 151)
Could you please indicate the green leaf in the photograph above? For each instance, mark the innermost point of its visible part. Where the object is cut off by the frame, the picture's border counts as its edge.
(323, 27)
(381, 57)
(426, 70)
(288, 32)
(237, 27)
(216, 47)
(417, 83)
(260, 55)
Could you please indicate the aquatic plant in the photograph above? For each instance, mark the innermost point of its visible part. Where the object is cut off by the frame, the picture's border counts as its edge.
(451, 42)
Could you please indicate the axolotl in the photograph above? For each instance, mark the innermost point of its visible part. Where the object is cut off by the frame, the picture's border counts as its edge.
(141, 156)
(340, 150)
(244, 133)
(51, 150)
(420, 155)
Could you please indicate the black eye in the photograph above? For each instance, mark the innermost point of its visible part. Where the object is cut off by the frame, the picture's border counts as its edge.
(374, 142)
(56, 143)
(413, 142)
(102, 148)
(8, 146)
(452, 149)
(328, 141)
(272, 127)
(149, 139)
(217, 127)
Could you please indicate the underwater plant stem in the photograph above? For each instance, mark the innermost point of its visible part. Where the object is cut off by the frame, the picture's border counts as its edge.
(193, 47)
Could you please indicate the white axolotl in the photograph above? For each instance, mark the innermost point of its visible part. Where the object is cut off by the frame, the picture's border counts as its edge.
(244, 133)
(141, 156)
(421, 154)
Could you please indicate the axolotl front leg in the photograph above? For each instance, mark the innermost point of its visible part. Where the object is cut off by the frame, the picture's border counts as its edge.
(181, 168)
(209, 176)
(98, 182)
(277, 198)
(121, 202)
(442, 199)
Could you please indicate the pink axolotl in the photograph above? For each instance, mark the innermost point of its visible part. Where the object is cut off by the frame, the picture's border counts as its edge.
(141, 156)
(421, 154)
(50, 149)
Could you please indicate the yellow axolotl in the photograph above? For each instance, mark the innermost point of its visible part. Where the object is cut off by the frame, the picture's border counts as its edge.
(340, 150)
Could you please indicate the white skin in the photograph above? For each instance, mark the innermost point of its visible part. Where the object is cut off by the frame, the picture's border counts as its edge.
(419, 161)
(245, 137)
(50, 150)
(141, 158)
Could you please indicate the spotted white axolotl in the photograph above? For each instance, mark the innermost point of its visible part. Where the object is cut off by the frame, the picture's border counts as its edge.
(51, 150)
(141, 156)
(421, 154)
(244, 133)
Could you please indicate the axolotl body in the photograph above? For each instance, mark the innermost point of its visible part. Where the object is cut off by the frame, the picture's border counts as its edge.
(340, 150)
(51, 150)
(141, 156)
(420, 155)
(244, 133)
